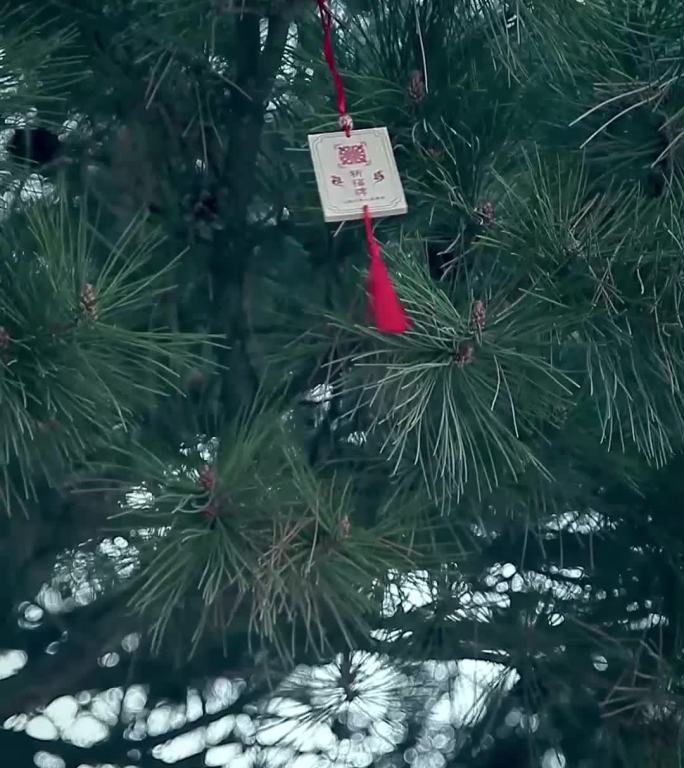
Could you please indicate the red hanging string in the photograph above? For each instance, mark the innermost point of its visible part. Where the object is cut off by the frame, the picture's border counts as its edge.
(326, 24)
(385, 309)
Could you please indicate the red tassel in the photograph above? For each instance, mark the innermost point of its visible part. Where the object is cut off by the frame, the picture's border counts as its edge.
(383, 303)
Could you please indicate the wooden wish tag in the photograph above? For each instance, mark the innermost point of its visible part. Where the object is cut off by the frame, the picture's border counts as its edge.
(357, 171)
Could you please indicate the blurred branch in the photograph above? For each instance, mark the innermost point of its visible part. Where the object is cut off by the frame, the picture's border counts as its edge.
(116, 748)
(255, 77)
(92, 631)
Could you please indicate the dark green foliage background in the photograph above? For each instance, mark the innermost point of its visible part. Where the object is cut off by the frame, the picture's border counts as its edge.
(230, 334)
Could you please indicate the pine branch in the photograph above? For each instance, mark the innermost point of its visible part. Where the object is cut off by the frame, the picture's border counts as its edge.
(74, 363)
(35, 69)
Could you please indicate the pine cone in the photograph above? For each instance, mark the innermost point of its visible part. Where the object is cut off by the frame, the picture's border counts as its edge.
(209, 511)
(195, 380)
(207, 478)
(478, 316)
(416, 86)
(5, 339)
(344, 527)
(464, 355)
(47, 426)
(87, 302)
(202, 213)
(485, 212)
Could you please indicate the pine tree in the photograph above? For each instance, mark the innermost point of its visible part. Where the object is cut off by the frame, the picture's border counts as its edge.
(202, 429)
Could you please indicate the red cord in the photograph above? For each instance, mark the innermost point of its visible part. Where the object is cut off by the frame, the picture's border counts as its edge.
(326, 24)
